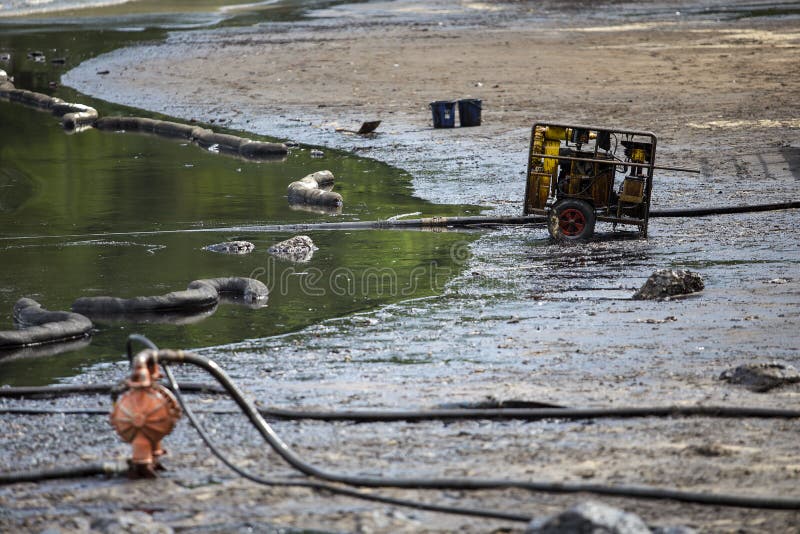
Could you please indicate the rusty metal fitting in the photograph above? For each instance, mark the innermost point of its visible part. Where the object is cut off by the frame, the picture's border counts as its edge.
(144, 414)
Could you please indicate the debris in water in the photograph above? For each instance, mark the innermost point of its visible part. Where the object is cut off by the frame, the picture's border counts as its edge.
(232, 247)
(666, 283)
(316, 189)
(366, 127)
(298, 249)
(761, 377)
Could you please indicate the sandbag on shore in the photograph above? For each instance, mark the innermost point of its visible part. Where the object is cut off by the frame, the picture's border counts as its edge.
(199, 295)
(38, 326)
(315, 189)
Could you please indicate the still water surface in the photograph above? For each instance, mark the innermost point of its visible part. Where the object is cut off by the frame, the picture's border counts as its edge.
(62, 196)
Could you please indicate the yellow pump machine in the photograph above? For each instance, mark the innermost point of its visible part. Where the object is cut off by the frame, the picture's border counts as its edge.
(573, 177)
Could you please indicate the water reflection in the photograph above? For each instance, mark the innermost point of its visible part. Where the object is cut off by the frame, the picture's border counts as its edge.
(103, 183)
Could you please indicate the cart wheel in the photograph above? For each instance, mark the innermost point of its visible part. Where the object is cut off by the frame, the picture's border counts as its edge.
(571, 220)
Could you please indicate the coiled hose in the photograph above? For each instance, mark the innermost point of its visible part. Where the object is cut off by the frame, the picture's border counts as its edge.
(290, 457)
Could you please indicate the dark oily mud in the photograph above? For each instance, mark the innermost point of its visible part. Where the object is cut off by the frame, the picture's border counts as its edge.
(761, 377)
(528, 319)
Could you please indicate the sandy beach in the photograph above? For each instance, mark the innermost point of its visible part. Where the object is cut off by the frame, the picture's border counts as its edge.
(720, 88)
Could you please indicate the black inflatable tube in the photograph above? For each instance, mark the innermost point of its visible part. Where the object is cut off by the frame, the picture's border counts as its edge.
(249, 289)
(188, 299)
(39, 326)
(200, 295)
(202, 136)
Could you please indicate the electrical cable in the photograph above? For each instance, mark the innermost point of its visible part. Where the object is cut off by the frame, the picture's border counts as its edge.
(290, 457)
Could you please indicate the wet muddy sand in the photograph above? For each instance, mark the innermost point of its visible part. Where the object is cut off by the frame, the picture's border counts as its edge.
(529, 319)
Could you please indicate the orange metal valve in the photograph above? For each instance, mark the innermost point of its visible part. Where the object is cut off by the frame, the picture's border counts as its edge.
(144, 414)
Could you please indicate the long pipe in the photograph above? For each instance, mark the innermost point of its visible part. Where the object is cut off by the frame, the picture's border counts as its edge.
(424, 223)
(522, 414)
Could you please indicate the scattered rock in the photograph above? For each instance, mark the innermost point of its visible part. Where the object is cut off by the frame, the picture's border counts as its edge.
(5, 57)
(590, 517)
(761, 377)
(666, 283)
(138, 522)
(298, 249)
(103, 72)
(36, 55)
(232, 247)
(58, 60)
(291, 144)
(317, 153)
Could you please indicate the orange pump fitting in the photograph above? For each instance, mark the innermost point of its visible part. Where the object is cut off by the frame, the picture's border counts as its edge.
(144, 414)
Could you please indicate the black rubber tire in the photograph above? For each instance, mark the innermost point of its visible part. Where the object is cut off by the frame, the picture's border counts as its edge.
(571, 220)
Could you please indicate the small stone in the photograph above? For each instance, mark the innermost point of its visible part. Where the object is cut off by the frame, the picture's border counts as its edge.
(232, 247)
(317, 153)
(761, 377)
(590, 517)
(666, 283)
(298, 249)
(133, 522)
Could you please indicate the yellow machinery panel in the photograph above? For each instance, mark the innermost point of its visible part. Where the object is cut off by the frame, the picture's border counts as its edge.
(538, 190)
(632, 190)
(551, 148)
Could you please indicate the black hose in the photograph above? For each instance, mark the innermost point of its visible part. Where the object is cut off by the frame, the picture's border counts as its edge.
(321, 486)
(91, 389)
(289, 456)
(520, 414)
(88, 470)
(723, 210)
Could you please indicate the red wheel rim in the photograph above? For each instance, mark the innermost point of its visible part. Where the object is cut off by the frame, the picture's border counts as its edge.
(571, 221)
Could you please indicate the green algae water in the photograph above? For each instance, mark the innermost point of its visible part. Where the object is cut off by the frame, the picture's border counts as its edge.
(100, 213)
